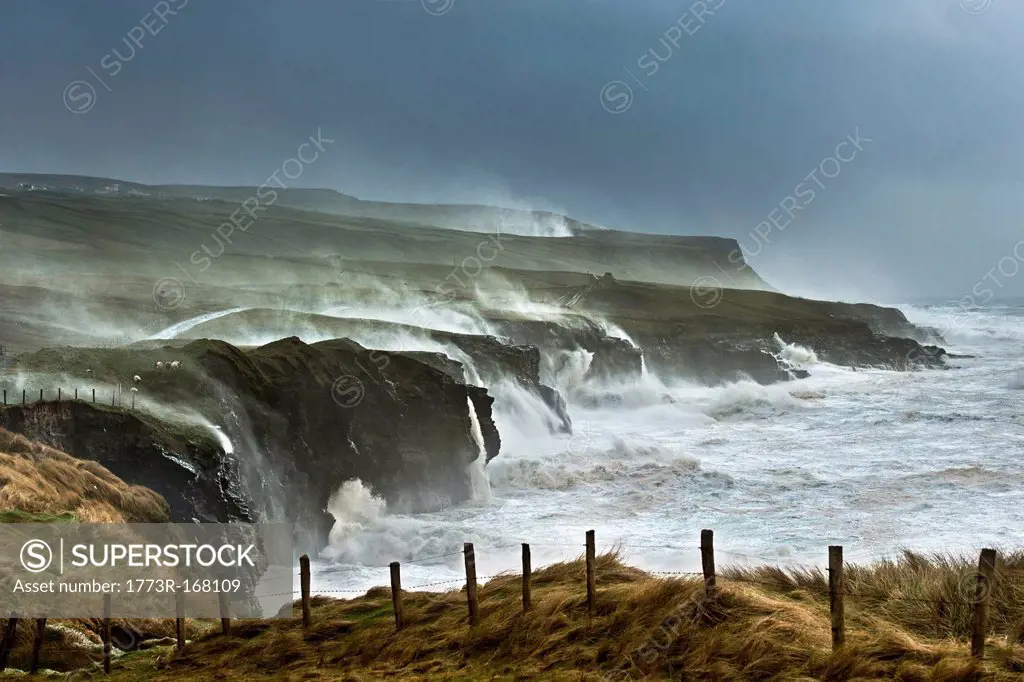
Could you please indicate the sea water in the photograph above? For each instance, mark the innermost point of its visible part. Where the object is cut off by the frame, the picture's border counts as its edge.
(874, 460)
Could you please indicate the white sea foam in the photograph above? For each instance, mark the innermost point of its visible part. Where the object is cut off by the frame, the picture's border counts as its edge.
(874, 460)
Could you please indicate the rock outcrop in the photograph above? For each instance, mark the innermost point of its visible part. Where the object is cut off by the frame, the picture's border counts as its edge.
(183, 464)
(301, 420)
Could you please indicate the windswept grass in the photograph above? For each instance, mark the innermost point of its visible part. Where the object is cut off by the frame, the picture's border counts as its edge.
(19, 516)
(644, 628)
(47, 485)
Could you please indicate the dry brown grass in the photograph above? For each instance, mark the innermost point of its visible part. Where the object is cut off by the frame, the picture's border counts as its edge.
(644, 628)
(41, 484)
(38, 479)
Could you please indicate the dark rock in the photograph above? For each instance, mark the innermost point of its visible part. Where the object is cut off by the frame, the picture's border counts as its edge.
(483, 404)
(183, 464)
(554, 400)
(302, 420)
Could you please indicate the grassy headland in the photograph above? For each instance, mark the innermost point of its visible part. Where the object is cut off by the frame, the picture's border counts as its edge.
(764, 623)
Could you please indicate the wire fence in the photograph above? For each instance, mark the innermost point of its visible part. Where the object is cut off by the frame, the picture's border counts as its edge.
(974, 591)
(120, 395)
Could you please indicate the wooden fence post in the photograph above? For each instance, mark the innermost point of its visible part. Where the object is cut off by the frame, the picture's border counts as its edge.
(474, 606)
(527, 575)
(225, 615)
(5, 396)
(8, 641)
(304, 587)
(982, 593)
(106, 633)
(591, 559)
(23, 402)
(836, 588)
(76, 394)
(396, 594)
(707, 560)
(37, 644)
(40, 395)
(94, 395)
(58, 394)
(179, 621)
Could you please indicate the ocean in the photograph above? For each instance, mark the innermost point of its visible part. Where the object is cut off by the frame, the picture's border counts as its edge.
(876, 461)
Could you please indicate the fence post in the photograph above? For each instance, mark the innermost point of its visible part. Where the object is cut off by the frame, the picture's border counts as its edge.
(179, 621)
(5, 396)
(106, 633)
(37, 644)
(8, 642)
(836, 588)
(707, 560)
(76, 394)
(527, 575)
(94, 395)
(474, 606)
(591, 559)
(40, 395)
(23, 401)
(58, 394)
(304, 587)
(982, 593)
(225, 615)
(396, 594)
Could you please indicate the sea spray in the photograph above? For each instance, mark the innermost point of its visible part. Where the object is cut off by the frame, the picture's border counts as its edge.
(566, 370)
(521, 416)
(480, 486)
(366, 533)
(794, 356)
(222, 439)
(354, 507)
(181, 327)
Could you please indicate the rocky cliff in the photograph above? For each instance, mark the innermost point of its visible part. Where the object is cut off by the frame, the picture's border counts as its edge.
(297, 421)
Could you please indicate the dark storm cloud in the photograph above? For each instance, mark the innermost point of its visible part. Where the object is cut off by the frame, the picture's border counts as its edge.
(499, 101)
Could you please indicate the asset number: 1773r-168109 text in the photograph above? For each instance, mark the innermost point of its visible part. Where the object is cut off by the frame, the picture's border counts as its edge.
(168, 585)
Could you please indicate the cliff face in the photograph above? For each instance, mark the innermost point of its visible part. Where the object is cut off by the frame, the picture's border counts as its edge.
(186, 467)
(37, 480)
(301, 420)
(730, 333)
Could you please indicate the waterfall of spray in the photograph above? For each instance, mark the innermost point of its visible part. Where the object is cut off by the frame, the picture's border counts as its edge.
(793, 355)
(566, 370)
(521, 416)
(260, 479)
(222, 439)
(479, 484)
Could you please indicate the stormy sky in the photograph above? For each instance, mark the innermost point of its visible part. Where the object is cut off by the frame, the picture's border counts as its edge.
(713, 117)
